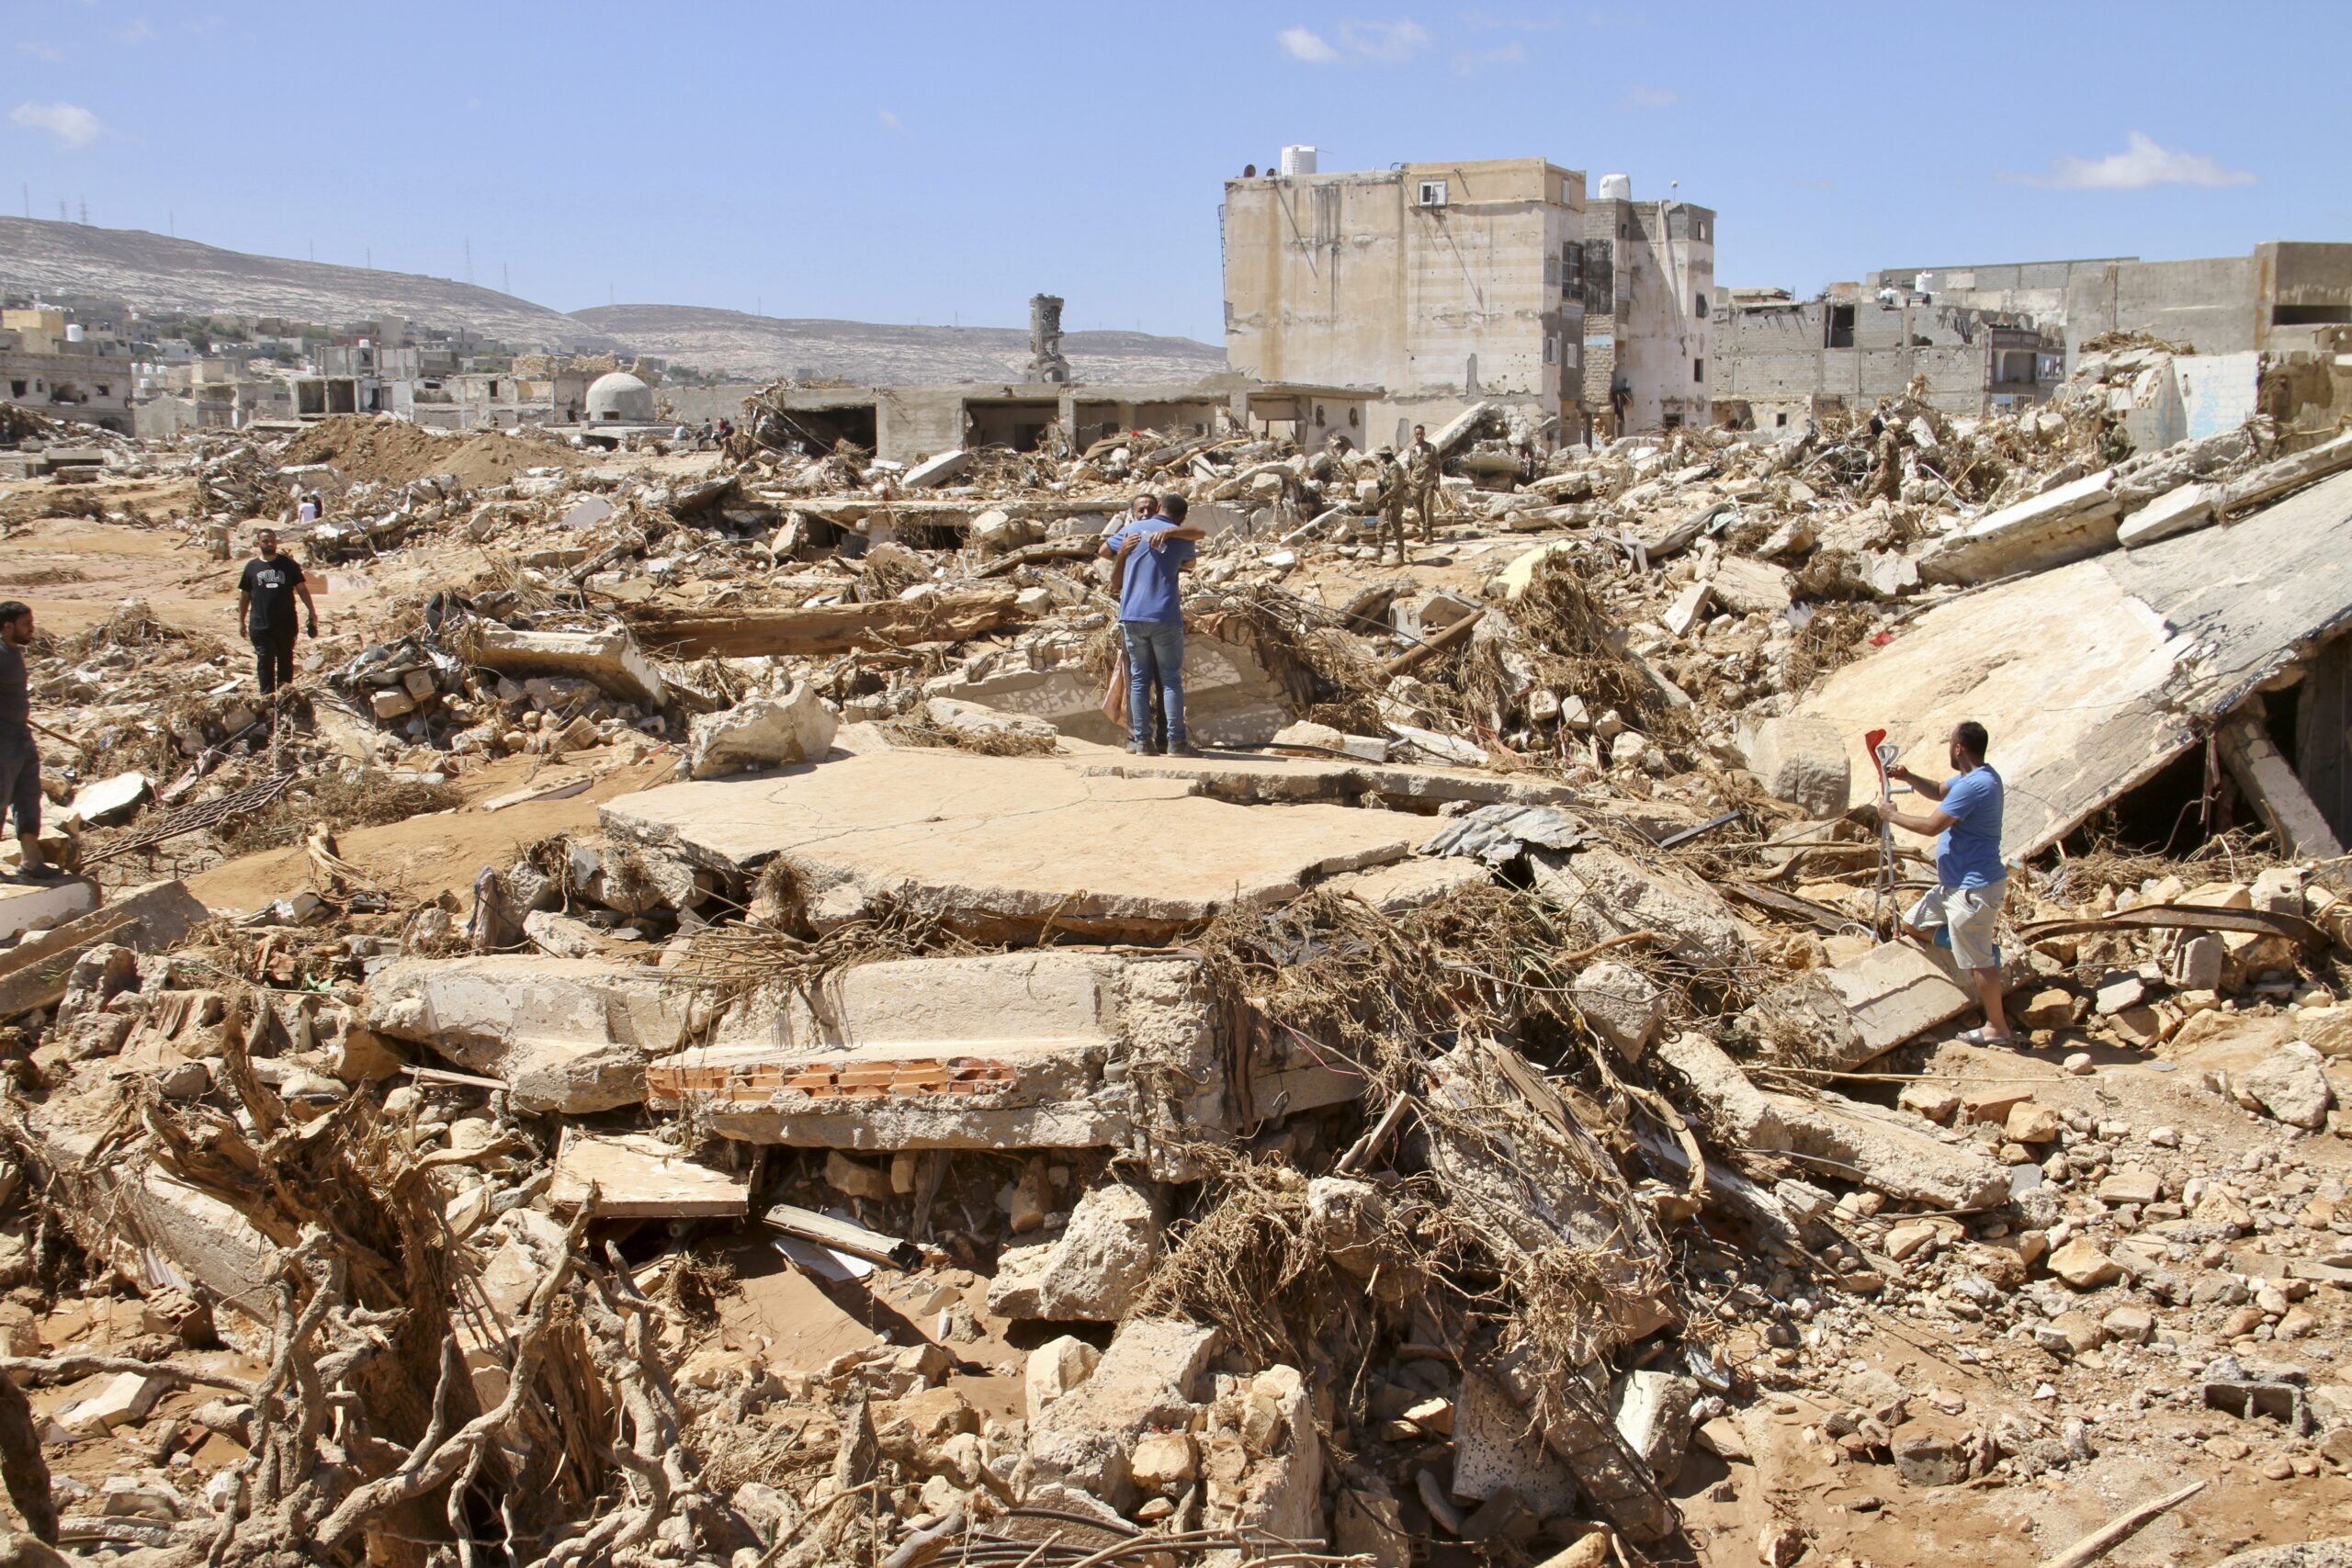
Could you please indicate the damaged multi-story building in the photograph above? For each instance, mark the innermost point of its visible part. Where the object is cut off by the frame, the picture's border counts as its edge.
(50, 363)
(1454, 283)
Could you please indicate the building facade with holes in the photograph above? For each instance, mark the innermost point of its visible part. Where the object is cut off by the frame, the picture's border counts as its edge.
(1441, 284)
(1648, 279)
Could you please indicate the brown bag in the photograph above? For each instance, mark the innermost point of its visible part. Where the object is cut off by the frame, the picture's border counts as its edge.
(1114, 693)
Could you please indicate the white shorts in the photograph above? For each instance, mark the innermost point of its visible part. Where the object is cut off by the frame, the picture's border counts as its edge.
(1970, 914)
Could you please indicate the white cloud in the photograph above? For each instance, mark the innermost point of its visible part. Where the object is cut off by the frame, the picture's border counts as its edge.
(48, 51)
(1306, 43)
(1360, 43)
(890, 120)
(2142, 163)
(1640, 97)
(1470, 63)
(140, 30)
(69, 123)
(1385, 41)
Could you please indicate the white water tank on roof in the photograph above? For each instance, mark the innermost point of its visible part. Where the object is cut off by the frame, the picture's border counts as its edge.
(1616, 188)
(619, 398)
(1298, 161)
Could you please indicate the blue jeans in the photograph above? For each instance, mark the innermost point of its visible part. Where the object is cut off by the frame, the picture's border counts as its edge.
(1154, 654)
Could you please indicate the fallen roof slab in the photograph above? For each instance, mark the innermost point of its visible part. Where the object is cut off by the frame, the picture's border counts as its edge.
(1000, 847)
(2094, 676)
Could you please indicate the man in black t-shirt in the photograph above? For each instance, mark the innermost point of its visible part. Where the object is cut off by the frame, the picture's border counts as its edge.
(265, 597)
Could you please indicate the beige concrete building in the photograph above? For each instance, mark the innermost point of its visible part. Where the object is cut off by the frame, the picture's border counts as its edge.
(1648, 283)
(1441, 284)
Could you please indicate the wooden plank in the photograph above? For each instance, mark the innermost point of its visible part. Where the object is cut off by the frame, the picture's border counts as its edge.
(638, 1176)
(749, 633)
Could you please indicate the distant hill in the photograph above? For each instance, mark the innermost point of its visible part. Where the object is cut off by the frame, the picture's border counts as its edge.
(158, 274)
(751, 348)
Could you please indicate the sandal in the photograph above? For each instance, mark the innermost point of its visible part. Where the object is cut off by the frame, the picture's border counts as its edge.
(1980, 1036)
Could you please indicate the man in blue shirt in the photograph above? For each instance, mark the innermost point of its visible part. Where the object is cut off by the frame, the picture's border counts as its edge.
(1971, 881)
(1152, 553)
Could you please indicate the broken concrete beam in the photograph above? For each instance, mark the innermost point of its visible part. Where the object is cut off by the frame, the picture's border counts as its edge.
(149, 919)
(2043, 531)
(610, 659)
(1863, 1007)
(751, 632)
(761, 733)
(1688, 607)
(2276, 479)
(938, 468)
(1800, 760)
(2177, 510)
(1895, 1151)
(1744, 1112)
(25, 905)
(999, 847)
(1018, 1050)
(1150, 1380)
(2276, 792)
(638, 1176)
(1606, 894)
(1455, 431)
(1092, 1271)
(569, 1035)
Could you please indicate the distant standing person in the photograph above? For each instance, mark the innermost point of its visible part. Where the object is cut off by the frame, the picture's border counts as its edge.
(265, 596)
(1153, 553)
(20, 758)
(307, 512)
(1971, 880)
(1422, 481)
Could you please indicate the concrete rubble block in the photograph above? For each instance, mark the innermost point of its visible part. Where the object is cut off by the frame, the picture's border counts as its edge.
(1861, 1008)
(2059, 525)
(2083, 1266)
(1493, 1450)
(1746, 1112)
(1409, 885)
(567, 1035)
(2291, 1085)
(638, 1176)
(1150, 1380)
(610, 659)
(1621, 1005)
(978, 723)
(109, 799)
(1746, 586)
(1092, 1271)
(1279, 1489)
(152, 917)
(1800, 760)
(938, 468)
(1367, 1525)
(1422, 617)
(1654, 1411)
(1054, 1369)
(2177, 510)
(123, 1400)
(761, 733)
(1024, 1050)
(997, 847)
(1323, 737)
(1230, 698)
(1607, 894)
(1688, 605)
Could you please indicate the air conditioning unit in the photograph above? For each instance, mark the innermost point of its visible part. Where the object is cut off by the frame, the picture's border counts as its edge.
(1433, 193)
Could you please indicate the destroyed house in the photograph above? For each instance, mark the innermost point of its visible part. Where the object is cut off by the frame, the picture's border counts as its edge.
(1782, 360)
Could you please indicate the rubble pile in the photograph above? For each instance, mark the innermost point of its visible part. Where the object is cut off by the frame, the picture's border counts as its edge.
(685, 1037)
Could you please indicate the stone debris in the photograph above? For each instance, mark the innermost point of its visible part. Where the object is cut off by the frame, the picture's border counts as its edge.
(1480, 1109)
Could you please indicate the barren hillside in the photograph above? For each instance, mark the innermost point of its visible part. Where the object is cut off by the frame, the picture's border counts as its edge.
(748, 347)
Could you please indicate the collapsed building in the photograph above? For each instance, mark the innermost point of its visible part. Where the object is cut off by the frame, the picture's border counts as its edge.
(687, 1040)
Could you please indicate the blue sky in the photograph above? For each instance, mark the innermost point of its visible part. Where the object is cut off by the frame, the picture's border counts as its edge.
(936, 163)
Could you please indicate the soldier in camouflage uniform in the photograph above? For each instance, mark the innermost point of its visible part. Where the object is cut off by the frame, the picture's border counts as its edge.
(1421, 482)
(1395, 492)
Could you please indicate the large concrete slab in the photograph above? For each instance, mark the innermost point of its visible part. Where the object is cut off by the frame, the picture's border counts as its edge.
(1229, 700)
(2093, 676)
(568, 1034)
(998, 847)
(1057, 1048)
(2046, 530)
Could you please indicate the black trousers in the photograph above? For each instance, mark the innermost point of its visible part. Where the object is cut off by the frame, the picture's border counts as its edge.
(20, 778)
(273, 657)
